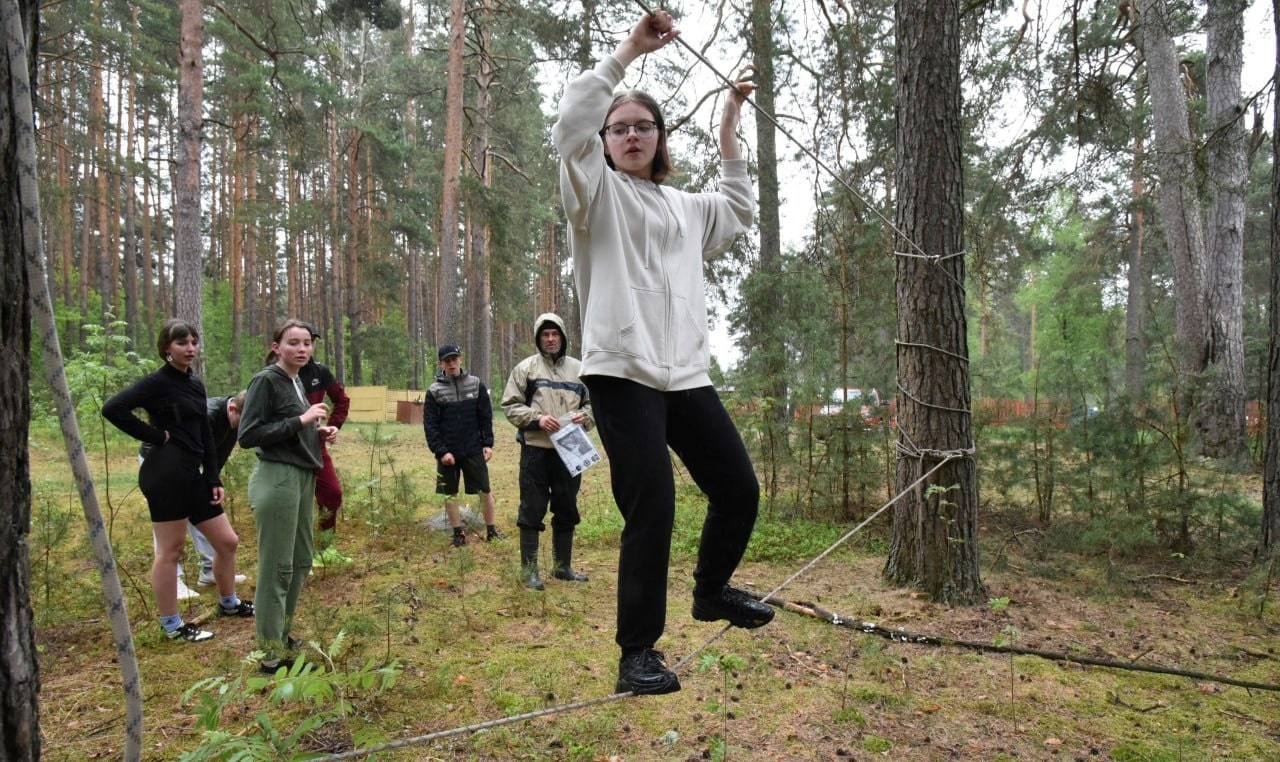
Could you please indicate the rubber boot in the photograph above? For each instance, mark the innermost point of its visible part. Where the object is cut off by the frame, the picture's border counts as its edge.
(562, 556)
(529, 559)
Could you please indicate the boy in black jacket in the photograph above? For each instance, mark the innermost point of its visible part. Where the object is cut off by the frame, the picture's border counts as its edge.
(458, 420)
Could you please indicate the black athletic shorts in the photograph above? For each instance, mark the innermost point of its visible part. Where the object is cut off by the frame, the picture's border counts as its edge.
(175, 489)
(473, 469)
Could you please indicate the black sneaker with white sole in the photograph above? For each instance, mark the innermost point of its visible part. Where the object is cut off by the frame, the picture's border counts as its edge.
(189, 633)
(734, 605)
(243, 608)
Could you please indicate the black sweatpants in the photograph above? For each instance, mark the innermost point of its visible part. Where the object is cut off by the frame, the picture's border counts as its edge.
(636, 425)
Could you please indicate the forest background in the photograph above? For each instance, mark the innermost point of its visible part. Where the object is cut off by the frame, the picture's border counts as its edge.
(330, 193)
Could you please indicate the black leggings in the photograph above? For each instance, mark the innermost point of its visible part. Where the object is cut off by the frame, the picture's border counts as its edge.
(637, 424)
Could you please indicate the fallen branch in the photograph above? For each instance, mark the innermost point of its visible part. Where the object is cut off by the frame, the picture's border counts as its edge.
(903, 636)
(1169, 577)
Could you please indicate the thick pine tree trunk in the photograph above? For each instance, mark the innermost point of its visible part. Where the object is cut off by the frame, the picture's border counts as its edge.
(1180, 212)
(1271, 460)
(19, 668)
(448, 330)
(935, 544)
(188, 275)
(1221, 414)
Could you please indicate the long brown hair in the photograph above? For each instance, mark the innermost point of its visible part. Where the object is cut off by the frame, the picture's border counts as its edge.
(661, 156)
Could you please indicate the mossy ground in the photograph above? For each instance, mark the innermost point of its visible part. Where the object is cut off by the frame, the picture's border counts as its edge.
(476, 646)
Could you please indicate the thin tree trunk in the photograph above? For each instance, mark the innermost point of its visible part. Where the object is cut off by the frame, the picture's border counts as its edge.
(763, 329)
(129, 250)
(351, 283)
(935, 543)
(1135, 342)
(481, 316)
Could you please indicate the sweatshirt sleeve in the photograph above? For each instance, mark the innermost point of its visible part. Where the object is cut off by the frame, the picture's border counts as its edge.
(212, 464)
(514, 407)
(341, 403)
(728, 213)
(119, 411)
(576, 135)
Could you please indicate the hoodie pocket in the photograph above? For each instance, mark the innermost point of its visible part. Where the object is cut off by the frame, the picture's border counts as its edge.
(689, 338)
(644, 336)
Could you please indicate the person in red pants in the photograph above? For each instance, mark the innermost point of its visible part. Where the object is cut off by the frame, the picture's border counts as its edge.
(319, 382)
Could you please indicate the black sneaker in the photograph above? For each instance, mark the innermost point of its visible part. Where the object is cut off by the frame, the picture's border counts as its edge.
(243, 608)
(494, 534)
(459, 539)
(646, 673)
(272, 666)
(734, 605)
(190, 633)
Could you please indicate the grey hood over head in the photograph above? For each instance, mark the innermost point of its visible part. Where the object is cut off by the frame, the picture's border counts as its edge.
(551, 320)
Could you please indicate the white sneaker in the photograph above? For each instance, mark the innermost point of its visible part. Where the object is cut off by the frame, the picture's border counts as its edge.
(186, 593)
(206, 580)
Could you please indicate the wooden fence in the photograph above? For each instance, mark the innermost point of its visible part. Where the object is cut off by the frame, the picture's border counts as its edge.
(380, 404)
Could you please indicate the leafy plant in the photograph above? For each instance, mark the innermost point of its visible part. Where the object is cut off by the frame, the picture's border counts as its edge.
(327, 693)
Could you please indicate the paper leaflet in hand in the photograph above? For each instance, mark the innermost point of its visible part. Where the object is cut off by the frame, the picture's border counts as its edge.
(575, 448)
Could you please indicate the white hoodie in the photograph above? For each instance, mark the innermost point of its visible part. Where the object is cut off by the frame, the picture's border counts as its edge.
(638, 248)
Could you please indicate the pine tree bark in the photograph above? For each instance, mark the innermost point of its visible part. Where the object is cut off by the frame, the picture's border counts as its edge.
(1135, 343)
(19, 665)
(1221, 414)
(448, 328)
(1270, 540)
(480, 317)
(188, 275)
(1180, 210)
(763, 326)
(935, 543)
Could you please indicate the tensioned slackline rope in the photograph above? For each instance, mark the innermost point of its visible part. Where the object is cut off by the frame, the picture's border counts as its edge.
(549, 711)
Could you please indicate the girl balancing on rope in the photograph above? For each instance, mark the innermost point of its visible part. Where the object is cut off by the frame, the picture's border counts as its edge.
(179, 477)
(638, 249)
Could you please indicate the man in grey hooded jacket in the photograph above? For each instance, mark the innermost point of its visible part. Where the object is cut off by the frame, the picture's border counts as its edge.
(542, 395)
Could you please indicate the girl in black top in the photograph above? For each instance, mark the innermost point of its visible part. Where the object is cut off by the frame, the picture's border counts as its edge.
(179, 478)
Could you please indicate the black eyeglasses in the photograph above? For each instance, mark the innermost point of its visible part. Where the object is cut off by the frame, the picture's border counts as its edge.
(618, 130)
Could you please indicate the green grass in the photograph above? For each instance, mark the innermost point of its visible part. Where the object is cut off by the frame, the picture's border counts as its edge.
(473, 645)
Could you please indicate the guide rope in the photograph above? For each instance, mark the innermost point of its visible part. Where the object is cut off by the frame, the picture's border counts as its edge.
(804, 148)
